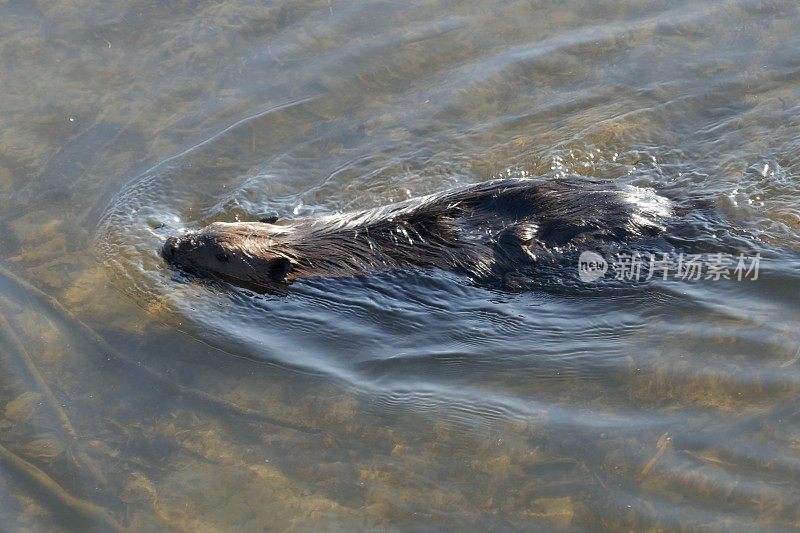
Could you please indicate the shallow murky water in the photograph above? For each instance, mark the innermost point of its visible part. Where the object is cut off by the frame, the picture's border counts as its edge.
(406, 400)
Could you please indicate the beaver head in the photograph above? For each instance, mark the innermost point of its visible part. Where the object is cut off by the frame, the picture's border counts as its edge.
(243, 253)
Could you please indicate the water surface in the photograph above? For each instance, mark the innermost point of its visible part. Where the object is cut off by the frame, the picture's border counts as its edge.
(404, 400)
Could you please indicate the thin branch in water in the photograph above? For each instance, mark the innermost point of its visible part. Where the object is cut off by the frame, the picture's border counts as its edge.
(19, 352)
(661, 448)
(51, 488)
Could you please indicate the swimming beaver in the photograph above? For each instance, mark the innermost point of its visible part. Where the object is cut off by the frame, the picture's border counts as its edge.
(494, 232)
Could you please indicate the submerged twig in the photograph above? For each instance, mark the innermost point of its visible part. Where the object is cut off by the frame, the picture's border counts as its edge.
(600, 481)
(661, 447)
(791, 361)
(208, 399)
(18, 349)
(48, 485)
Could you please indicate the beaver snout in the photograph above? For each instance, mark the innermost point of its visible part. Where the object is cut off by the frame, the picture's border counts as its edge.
(176, 247)
(170, 248)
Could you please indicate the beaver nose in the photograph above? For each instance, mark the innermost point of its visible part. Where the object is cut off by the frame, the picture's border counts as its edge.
(169, 248)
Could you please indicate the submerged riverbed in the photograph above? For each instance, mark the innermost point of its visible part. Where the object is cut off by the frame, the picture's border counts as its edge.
(412, 400)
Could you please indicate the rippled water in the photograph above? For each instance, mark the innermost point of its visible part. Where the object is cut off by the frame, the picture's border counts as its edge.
(409, 400)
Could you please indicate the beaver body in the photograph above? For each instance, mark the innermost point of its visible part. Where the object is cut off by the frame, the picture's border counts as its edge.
(491, 232)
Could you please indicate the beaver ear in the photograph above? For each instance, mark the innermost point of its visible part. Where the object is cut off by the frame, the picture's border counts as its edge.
(279, 268)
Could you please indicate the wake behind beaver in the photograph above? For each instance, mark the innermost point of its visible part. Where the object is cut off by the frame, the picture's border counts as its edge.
(500, 234)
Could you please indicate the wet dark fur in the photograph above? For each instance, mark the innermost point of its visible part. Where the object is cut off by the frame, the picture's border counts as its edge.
(495, 233)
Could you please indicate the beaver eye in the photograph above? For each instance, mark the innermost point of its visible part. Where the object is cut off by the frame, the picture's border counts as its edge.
(223, 257)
